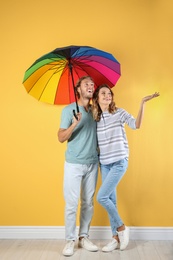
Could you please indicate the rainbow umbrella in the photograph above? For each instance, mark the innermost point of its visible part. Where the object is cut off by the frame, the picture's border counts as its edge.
(52, 77)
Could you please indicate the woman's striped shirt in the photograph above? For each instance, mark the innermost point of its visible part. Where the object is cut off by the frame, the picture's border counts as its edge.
(112, 140)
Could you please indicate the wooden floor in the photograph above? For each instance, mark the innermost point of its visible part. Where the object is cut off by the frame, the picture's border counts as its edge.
(52, 250)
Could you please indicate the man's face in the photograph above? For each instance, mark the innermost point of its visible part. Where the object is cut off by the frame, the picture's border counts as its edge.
(86, 88)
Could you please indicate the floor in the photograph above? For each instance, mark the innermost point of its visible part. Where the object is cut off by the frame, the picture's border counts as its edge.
(52, 250)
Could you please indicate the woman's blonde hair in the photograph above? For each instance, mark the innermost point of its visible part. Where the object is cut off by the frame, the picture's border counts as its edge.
(96, 109)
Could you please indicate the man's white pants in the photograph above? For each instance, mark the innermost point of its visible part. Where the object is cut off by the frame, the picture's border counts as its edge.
(79, 182)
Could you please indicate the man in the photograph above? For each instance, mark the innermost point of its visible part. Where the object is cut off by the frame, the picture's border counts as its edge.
(81, 165)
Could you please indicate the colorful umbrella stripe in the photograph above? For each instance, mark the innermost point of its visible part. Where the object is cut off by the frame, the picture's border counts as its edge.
(49, 78)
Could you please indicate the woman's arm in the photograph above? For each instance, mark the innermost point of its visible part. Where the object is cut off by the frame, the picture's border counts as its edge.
(141, 109)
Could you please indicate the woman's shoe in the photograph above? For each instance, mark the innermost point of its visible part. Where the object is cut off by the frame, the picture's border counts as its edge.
(111, 246)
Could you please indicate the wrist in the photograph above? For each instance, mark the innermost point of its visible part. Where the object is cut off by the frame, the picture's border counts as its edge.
(74, 124)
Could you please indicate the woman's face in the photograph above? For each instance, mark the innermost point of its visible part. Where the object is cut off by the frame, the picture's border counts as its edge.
(104, 97)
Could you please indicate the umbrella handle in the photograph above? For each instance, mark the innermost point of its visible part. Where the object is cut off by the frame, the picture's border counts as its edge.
(75, 114)
(71, 71)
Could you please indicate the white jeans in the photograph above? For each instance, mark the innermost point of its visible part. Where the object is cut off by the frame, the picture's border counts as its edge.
(79, 182)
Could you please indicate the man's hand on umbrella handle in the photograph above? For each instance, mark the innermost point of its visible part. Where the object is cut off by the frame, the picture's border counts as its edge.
(77, 116)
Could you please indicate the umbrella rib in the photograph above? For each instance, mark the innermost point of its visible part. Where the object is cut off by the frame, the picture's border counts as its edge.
(58, 70)
(100, 62)
(82, 53)
(64, 69)
(82, 68)
(79, 59)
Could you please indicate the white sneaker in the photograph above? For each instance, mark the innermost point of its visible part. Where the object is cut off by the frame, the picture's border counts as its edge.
(124, 238)
(111, 246)
(69, 248)
(87, 244)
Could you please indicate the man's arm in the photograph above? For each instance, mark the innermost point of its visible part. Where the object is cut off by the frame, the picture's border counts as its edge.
(65, 134)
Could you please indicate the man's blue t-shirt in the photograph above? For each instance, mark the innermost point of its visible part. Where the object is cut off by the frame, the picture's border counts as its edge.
(82, 145)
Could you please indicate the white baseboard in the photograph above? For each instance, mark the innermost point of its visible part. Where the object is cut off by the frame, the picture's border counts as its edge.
(96, 232)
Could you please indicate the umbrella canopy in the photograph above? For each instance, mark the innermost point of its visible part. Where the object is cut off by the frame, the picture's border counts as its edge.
(52, 77)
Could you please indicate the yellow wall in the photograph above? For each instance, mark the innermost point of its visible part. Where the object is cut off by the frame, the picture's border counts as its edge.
(140, 35)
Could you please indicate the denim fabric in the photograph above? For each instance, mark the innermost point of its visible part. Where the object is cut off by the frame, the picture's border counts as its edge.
(79, 182)
(111, 175)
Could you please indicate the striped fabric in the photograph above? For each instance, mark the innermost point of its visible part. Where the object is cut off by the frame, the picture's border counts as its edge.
(112, 140)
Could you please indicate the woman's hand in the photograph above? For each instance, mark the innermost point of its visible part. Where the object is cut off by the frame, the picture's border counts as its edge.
(147, 98)
(141, 109)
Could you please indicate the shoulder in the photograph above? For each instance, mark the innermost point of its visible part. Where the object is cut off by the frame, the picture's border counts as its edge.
(123, 114)
(69, 107)
(72, 105)
(122, 111)
(118, 112)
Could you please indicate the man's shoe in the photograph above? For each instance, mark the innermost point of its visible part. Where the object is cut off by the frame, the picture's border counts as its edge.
(124, 238)
(69, 248)
(111, 246)
(87, 244)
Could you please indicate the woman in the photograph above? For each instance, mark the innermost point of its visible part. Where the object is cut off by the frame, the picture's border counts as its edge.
(114, 152)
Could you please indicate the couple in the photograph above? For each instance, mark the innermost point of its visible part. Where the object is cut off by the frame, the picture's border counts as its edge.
(98, 126)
